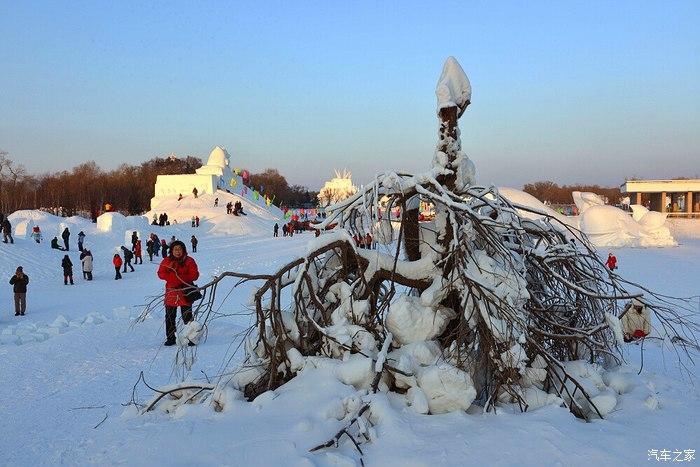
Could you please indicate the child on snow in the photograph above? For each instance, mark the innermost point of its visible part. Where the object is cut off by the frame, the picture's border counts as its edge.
(36, 234)
(67, 266)
(611, 263)
(117, 262)
(137, 253)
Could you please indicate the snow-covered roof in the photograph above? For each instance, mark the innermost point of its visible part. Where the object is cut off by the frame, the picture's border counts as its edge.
(658, 186)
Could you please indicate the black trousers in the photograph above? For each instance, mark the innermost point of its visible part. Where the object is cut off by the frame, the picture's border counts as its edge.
(171, 317)
(128, 263)
(119, 274)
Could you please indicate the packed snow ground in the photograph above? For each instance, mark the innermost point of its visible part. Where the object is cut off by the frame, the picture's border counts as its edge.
(76, 355)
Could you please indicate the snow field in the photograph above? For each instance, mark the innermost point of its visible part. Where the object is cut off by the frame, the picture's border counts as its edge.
(74, 359)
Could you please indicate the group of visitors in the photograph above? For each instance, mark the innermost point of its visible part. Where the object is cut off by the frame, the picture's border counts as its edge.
(364, 241)
(235, 208)
(160, 219)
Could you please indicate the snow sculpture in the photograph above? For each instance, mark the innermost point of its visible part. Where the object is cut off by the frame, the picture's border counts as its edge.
(604, 225)
(337, 189)
(218, 164)
(207, 179)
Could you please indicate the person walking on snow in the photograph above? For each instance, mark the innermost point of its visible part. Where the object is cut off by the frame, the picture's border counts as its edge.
(7, 231)
(193, 221)
(128, 256)
(196, 221)
(179, 271)
(67, 266)
(164, 248)
(194, 243)
(117, 262)
(216, 202)
(275, 230)
(195, 192)
(86, 260)
(138, 259)
(19, 284)
(81, 239)
(66, 236)
(134, 239)
(611, 263)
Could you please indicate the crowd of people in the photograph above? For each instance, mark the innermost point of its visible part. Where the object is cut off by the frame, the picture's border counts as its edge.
(126, 260)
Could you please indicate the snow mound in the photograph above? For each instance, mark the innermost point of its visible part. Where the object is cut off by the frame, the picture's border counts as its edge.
(258, 220)
(25, 333)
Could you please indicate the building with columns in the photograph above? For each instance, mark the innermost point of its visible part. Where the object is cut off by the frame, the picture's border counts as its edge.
(676, 197)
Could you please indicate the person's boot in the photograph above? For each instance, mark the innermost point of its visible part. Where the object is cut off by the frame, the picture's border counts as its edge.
(169, 342)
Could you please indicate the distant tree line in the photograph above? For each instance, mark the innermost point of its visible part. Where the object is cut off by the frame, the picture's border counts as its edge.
(86, 188)
(274, 184)
(552, 193)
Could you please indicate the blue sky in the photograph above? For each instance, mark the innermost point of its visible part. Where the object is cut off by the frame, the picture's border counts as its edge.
(568, 91)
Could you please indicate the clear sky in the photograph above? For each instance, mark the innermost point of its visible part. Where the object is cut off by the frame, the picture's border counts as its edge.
(568, 91)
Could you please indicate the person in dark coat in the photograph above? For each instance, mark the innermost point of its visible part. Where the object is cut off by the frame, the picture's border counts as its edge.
(66, 236)
(7, 231)
(195, 192)
(67, 266)
(19, 284)
(194, 242)
(164, 248)
(149, 248)
(55, 245)
(81, 240)
(179, 271)
(156, 244)
(284, 230)
(275, 230)
(134, 239)
(117, 262)
(128, 256)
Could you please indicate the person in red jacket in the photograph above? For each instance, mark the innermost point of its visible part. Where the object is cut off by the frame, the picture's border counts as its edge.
(138, 259)
(117, 262)
(178, 271)
(611, 263)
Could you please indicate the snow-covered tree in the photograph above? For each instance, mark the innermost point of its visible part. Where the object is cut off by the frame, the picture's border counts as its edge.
(480, 307)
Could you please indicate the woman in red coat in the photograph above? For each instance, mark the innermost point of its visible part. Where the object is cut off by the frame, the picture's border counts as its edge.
(178, 271)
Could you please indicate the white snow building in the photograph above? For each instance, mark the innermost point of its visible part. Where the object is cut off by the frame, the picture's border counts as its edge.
(215, 174)
(337, 189)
